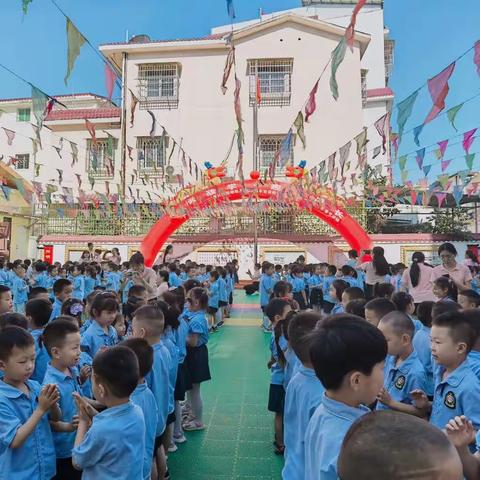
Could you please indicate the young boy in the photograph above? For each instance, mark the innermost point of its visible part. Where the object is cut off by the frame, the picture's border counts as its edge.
(6, 301)
(267, 282)
(143, 397)
(112, 444)
(213, 299)
(25, 437)
(377, 308)
(348, 357)
(38, 292)
(62, 340)
(468, 299)
(455, 383)
(304, 394)
(38, 313)
(62, 290)
(352, 293)
(76, 276)
(148, 323)
(403, 370)
(389, 445)
(19, 289)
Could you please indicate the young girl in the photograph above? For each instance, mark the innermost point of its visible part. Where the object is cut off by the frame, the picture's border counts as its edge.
(76, 276)
(197, 354)
(213, 293)
(120, 326)
(162, 283)
(90, 280)
(445, 290)
(299, 287)
(86, 317)
(19, 289)
(276, 311)
(315, 288)
(328, 301)
(222, 294)
(336, 291)
(397, 274)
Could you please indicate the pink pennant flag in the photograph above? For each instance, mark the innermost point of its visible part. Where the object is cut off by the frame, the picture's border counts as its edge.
(441, 196)
(445, 164)
(311, 103)
(350, 32)
(413, 194)
(10, 135)
(443, 146)
(110, 77)
(468, 139)
(438, 87)
(476, 56)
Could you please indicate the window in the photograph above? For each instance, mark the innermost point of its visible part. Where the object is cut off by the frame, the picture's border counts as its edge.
(158, 85)
(151, 154)
(363, 74)
(389, 54)
(101, 158)
(23, 161)
(269, 145)
(274, 77)
(23, 115)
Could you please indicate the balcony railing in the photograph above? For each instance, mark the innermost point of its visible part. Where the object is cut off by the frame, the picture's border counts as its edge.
(269, 224)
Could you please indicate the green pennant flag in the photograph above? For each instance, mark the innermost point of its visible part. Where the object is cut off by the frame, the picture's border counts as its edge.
(443, 179)
(338, 56)
(299, 125)
(452, 114)
(25, 4)
(469, 159)
(404, 176)
(75, 42)
(39, 104)
(402, 161)
(404, 110)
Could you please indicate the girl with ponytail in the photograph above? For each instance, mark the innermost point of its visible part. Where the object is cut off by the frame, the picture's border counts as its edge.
(416, 280)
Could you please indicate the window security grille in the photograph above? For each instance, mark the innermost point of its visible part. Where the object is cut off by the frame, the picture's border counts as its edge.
(151, 156)
(101, 158)
(269, 145)
(158, 85)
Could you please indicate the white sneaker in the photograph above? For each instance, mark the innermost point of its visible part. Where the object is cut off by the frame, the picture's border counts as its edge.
(172, 448)
(180, 439)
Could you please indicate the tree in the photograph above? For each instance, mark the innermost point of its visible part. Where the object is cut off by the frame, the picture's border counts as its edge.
(455, 221)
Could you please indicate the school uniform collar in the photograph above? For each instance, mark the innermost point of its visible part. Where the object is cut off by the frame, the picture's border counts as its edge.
(98, 329)
(141, 387)
(406, 365)
(8, 391)
(342, 410)
(426, 329)
(308, 372)
(475, 354)
(57, 374)
(456, 377)
(117, 411)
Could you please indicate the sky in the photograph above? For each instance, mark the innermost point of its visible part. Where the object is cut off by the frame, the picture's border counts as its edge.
(429, 35)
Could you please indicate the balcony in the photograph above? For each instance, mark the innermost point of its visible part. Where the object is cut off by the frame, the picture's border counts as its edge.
(277, 224)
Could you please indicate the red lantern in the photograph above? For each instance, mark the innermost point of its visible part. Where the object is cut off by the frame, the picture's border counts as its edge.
(255, 175)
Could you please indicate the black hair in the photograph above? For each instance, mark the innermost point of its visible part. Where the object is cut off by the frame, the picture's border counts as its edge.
(353, 253)
(164, 275)
(447, 247)
(214, 274)
(471, 255)
(424, 313)
(190, 283)
(40, 267)
(51, 268)
(281, 289)
(379, 443)
(402, 300)
(266, 266)
(472, 296)
(444, 307)
(446, 283)
(35, 292)
(344, 343)
(300, 326)
(417, 258)
(13, 336)
(339, 286)
(380, 264)
(461, 330)
(39, 310)
(354, 293)
(144, 353)
(11, 318)
(381, 306)
(4, 289)
(104, 301)
(347, 270)
(56, 332)
(170, 314)
(356, 307)
(118, 368)
(201, 295)
(472, 317)
(383, 290)
(331, 270)
(136, 290)
(60, 284)
(400, 322)
(275, 307)
(137, 259)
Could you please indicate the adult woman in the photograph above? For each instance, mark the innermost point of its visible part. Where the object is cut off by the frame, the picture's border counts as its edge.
(86, 257)
(141, 275)
(417, 280)
(115, 256)
(168, 257)
(471, 260)
(459, 273)
(375, 271)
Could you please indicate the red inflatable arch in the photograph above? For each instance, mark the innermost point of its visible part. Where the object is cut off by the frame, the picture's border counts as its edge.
(322, 207)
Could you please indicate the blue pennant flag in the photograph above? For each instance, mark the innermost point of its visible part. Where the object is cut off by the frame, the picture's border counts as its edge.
(230, 9)
(416, 134)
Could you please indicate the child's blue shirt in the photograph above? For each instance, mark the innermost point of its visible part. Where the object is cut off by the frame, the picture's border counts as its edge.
(421, 344)
(42, 280)
(78, 283)
(327, 282)
(56, 310)
(86, 387)
(338, 308)
(198, 324)
(266, 287)
(174, 280)
(298, 284)
(110, 448)
(41, 357)
(222, 290)
(19, 290)
(172, 370)
(214, 296)
(314, 281)
(95, 338)
(89, 285)
(276, 370)
(181, 334)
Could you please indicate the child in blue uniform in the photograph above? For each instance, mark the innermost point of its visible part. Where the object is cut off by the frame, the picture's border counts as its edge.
(304, 394)
(213, 299)
(336, 292)
(6, 299)
(276, 310)
(23, 408)
(19, 289)
(266, 285)
(89, 280)
(403, 370)
(455, 383)
(299, 287)
(328, 301)
(62, 290)
(348, 356)
(143, 397)
(112, 444)
(76, 276)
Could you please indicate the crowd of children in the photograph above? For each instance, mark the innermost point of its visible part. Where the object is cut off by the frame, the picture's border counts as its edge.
(343, 345)
(101, 364)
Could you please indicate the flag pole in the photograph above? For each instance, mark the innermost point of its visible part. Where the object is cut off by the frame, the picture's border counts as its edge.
(255, 168)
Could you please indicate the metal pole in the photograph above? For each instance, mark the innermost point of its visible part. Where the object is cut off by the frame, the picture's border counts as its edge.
(255, 167)
(123, 143)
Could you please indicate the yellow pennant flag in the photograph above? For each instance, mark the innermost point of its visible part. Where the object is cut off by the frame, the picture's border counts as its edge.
(75, 42)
